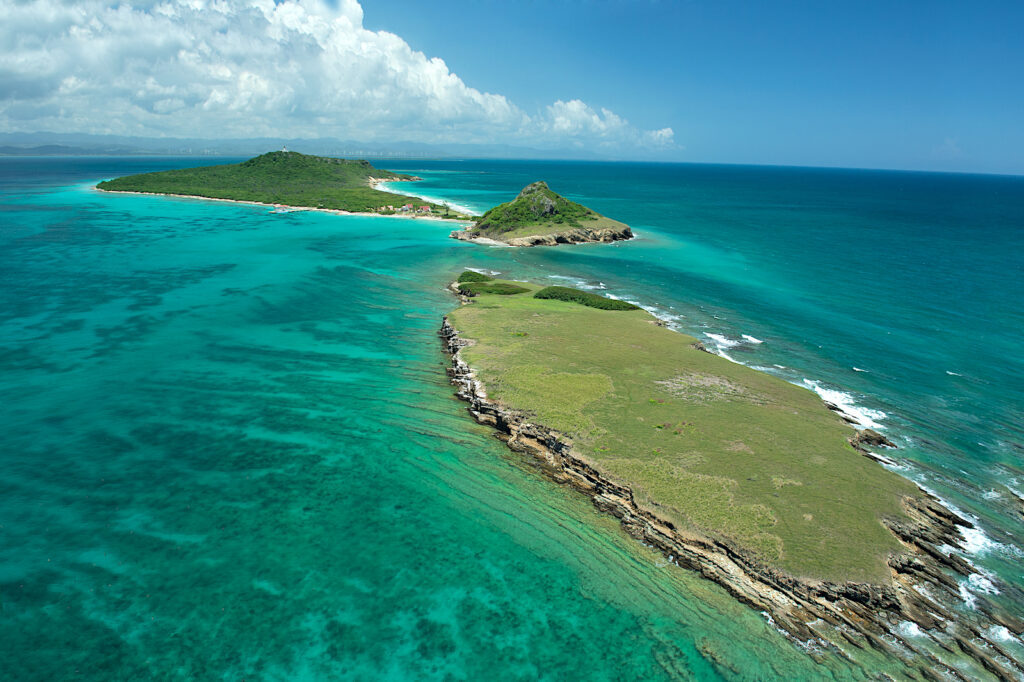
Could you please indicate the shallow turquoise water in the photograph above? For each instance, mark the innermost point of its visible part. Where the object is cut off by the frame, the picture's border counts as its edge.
(230, 451)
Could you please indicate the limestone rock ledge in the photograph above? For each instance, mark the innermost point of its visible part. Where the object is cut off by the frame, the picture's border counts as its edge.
(863, 614)
(579, 235)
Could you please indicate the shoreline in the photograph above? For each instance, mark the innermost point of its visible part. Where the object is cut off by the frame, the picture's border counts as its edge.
(836, 398)
(334, 211)
(377, 184)
(483, 241)
(861, 614)
(567, 238)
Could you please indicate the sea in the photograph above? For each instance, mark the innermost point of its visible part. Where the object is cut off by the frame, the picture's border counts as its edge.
(229, 450)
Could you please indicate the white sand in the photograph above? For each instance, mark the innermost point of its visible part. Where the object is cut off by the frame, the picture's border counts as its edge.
(407, 216)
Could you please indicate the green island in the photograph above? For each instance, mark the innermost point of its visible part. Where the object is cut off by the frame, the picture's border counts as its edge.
(542, 217)
(288, 179)
(717, 446)
(751, 480)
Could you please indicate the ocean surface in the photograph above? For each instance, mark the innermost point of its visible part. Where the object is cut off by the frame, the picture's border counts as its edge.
(229, 450)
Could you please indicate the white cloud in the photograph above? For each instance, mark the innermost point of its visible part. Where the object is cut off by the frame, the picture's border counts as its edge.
(575, 119)
(236, 68)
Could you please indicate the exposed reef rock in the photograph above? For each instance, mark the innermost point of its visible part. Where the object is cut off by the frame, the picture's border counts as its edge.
(578, 235)
(842, 415)
(924, 589)
(870, 438)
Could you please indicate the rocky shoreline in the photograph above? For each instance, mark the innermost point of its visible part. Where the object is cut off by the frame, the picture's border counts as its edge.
(579, 235)
(923, 592)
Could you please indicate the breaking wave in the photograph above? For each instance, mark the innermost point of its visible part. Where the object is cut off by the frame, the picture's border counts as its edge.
(864, 416)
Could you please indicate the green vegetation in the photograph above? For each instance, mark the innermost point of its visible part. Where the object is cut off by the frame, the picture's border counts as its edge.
(287, 178)
(538, 211)
(583, 298)
(490, 287)
(535, 204)
(707, 444)
(472, 276)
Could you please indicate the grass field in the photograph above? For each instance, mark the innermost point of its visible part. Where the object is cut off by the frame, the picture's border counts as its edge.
(708, 444)
(287, 178)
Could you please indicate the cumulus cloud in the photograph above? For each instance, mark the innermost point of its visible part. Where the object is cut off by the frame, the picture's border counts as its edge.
(255, 68)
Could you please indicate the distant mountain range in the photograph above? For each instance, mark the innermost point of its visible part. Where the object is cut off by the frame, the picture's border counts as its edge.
(75, 144)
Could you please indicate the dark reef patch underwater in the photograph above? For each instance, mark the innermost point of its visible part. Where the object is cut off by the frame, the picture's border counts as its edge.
(230, 450)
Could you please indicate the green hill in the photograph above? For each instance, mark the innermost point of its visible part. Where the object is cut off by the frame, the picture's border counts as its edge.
(540, 216)
(287, 178)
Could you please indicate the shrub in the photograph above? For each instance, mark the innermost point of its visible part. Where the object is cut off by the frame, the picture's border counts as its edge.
(470, 276)
(499, 288)
(586, 298)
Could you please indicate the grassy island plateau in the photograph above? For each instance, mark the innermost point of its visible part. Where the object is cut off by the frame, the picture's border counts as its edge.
(288, 179)
(751, 480)
(542, 217)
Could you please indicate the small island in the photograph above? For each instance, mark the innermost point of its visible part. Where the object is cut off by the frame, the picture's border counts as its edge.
(541, 217)
(751, 480)
(287, 179)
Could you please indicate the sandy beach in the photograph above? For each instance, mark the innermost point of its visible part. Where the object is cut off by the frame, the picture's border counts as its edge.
(406, 216)
(380, 185)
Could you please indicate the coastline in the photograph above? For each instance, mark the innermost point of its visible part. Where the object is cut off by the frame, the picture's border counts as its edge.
(573, 237)
(379, 185)
(922, 596)
(483, 241)
(573, 589)
(334, 211)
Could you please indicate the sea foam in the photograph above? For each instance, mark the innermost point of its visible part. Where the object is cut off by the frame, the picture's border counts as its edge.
(722, 345)
(1000, 633)
(579, 283)
(672, 321)
(722, 341)
(975, 584)
(908, 628)
(865, 417)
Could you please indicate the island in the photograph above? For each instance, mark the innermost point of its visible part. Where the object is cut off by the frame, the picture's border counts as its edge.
(287, 179)
(735, 473)
(542, 217)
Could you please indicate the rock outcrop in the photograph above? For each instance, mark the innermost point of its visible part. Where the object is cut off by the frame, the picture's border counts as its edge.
(870, 438)
(923, 591)
(579, 235)
(535, 194)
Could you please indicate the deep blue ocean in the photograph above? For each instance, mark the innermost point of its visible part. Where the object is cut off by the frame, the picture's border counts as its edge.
(229, 450)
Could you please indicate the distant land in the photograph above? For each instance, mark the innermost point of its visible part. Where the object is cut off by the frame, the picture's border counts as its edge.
(81, 144)
(542, 217)
(65, 150)
(751, 480)
(288, 179)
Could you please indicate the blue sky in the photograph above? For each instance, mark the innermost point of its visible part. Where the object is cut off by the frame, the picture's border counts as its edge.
(868, 84)
(914, 85)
